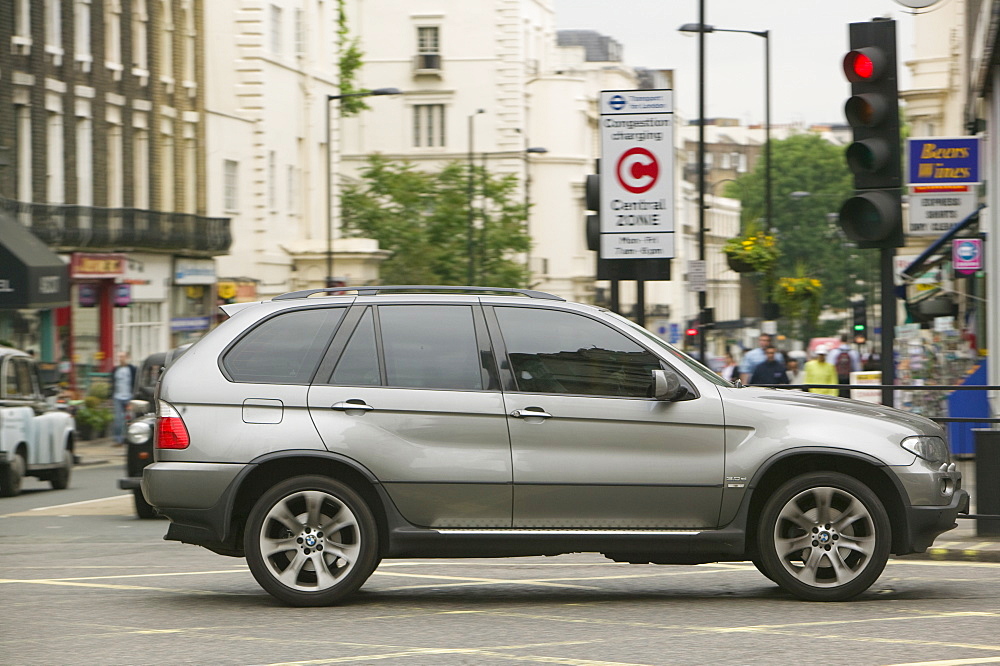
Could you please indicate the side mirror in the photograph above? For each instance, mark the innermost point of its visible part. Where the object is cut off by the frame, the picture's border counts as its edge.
(667, 386)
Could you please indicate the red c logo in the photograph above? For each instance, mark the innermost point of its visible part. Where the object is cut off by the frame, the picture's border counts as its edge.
(637, 170)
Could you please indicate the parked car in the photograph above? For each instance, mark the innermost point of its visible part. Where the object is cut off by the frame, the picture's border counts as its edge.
(141, 428)
(36, 435)
(316, 435)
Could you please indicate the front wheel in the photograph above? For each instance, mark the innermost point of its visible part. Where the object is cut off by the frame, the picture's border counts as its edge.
(824, 536)
(311, 541)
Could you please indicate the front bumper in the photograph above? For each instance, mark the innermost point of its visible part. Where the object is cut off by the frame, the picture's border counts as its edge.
(926, 523)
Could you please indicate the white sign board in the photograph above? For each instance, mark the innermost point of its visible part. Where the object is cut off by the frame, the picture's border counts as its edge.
(868, 395)
(935, 214)
(637, 174)
(697, 276)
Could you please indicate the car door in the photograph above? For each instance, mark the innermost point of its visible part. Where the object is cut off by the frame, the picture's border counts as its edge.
(590, 449)
(413, 395)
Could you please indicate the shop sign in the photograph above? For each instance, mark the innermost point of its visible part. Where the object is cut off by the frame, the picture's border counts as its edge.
(123, 295)
(967, 255)
(943, 161)
(934, 213)
(179, 324)
(88, 265)
(194, 271)
(87, 295)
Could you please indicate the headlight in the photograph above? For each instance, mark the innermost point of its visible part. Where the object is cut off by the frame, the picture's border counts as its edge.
(139, 432)
(931, 449)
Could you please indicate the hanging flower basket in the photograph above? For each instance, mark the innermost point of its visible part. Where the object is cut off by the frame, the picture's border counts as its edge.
(800, 297)
(739, 264)
(754, 251)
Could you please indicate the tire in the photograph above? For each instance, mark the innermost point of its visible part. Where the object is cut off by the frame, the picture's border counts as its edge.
(824, 536)
(759, 563)
(143, 509)
(60, 477)
(311, 541)
(12, 475)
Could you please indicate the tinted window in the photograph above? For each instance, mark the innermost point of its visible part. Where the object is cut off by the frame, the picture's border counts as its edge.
(284, 349)
(430, 346)
(358, 365)
(562, 352)
(18, 381)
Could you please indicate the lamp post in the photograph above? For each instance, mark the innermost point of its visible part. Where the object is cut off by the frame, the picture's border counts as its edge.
(523, 154)
(329, 172)
(471, 226)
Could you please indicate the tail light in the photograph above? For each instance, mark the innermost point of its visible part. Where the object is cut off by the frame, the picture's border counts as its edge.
(171, 433)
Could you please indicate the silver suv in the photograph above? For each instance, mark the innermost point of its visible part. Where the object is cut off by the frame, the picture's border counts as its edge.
(316, 435)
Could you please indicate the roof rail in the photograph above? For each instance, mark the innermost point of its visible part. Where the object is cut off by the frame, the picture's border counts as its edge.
(371, 290)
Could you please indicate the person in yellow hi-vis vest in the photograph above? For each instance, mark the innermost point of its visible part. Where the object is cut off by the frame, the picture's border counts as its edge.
(818, 371)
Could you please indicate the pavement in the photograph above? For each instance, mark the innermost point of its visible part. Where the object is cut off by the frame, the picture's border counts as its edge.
(960, 544)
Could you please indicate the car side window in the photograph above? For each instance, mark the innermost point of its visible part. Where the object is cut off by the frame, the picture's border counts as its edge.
(563, 352)
(430, 346)
(19, 384)
(358, 365)
(284, 349)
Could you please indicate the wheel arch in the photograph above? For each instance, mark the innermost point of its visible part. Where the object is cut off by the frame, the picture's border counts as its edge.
(865, 469)
(273, 470)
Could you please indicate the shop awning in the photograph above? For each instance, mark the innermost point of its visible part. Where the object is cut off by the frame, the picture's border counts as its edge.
(31, 275)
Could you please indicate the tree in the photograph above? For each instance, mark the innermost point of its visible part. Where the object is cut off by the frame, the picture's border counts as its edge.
(806, 163)
(422, 217)
(349, 61)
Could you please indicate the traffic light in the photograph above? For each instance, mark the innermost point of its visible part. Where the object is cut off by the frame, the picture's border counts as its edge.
(860, 320)
(592, 195)
(873, 216)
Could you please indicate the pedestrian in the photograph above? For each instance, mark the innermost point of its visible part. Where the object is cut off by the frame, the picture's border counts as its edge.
(771, 371)
(122, 387)
(795, 373)
(729, 370)
(755, 357)
(818, 371)
(845, 360)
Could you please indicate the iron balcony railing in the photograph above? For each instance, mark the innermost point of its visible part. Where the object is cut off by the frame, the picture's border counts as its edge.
(69, 227)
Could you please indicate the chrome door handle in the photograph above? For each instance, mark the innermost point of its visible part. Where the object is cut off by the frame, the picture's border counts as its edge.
(352, 406)
(529, 412)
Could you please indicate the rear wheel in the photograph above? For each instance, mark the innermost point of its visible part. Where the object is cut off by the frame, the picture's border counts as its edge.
(60, 477)
(824, 536)
(142, 507)
(12, 475)
(311, 541)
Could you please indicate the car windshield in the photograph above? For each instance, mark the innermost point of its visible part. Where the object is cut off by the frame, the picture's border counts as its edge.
(662, 344)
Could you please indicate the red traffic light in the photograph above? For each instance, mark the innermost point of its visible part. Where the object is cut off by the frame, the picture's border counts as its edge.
(864, 64)
(691, 331)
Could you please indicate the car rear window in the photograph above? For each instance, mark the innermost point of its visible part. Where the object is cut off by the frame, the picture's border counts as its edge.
(284, 349)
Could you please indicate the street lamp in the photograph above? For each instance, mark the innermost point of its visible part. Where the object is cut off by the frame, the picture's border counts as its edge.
(329, 171)
(471, 230)
(701, 28)
(524, 155)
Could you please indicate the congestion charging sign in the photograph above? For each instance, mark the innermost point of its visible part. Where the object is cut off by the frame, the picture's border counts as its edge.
(637, 174)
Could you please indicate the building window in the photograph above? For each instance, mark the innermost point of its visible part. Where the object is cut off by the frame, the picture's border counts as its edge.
(428, 125)
(292, 200)
(276, 30)
(140, 31)
(114, 173)
(113, 33)
(140, 169)
(81, 32)
(166, 40)
(272, 176)
(53, 24)
(726, 161)
(54, 175)
(230, 176)
(428, 47)
(84, 162)
(189, 43)
(24, 153)
(165, 165)
(300, 33)
(742, 163)
(22, 19)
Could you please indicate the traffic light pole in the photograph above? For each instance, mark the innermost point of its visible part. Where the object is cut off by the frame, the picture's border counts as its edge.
(888, 359)
(703, 294)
